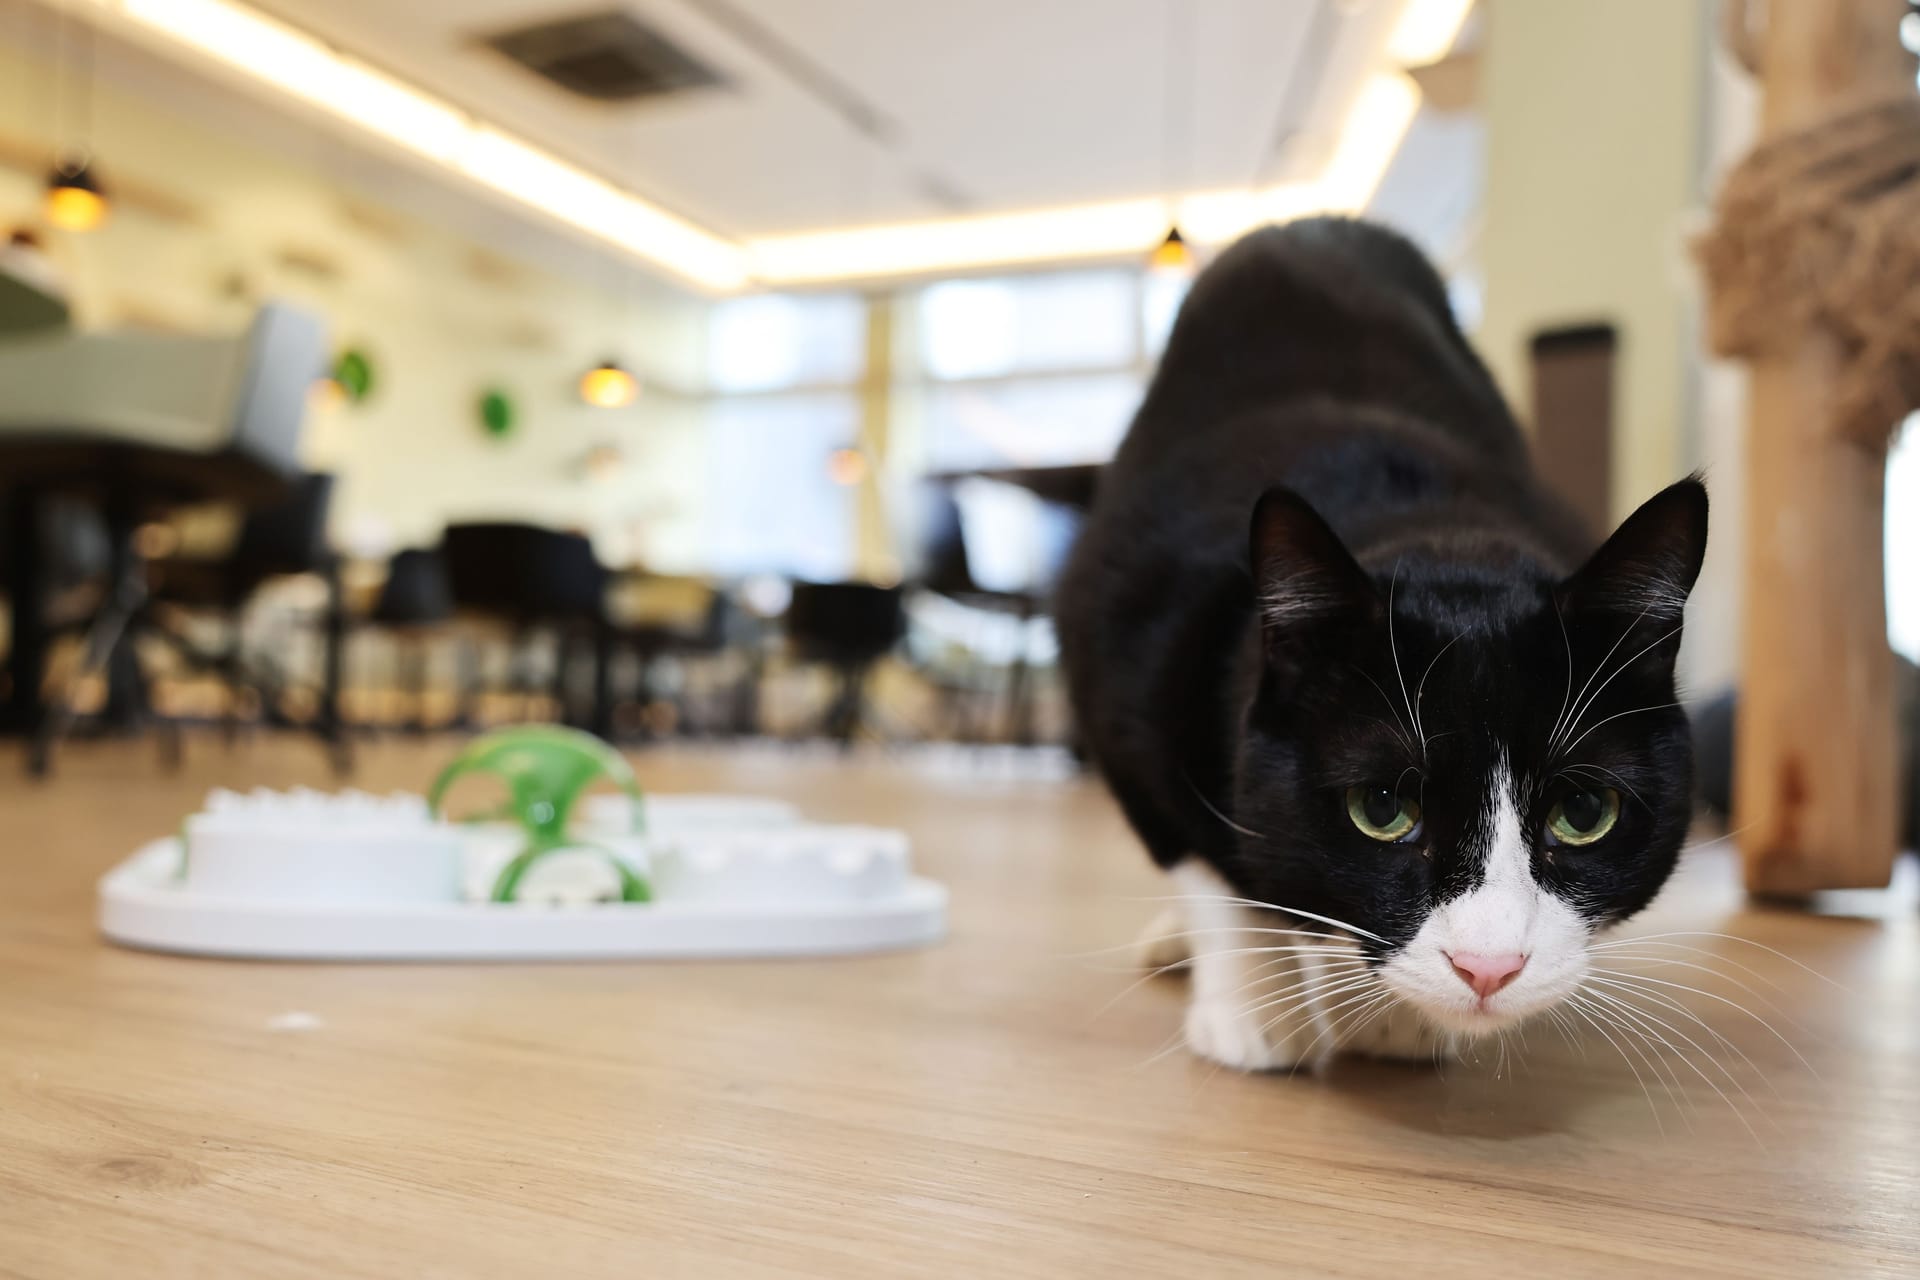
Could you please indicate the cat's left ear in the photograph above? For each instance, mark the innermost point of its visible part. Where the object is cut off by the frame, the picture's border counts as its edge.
(1650, 563)
(1305, 580)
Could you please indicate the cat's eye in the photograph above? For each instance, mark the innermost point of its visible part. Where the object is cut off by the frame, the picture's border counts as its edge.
(1383, 814)
(1584, 816)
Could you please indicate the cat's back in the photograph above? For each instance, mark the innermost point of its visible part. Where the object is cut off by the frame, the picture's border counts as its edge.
(1323, 356)
(1333, 309)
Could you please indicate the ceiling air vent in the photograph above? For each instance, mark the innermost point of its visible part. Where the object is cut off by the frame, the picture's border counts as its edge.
(608, 57)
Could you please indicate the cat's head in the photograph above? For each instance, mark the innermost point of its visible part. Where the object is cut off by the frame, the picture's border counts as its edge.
(1471, 762)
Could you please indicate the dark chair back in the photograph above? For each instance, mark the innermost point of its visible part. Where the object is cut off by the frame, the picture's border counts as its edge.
(74, 542)
(415, 593)
(845, 624)
(947, 563)
(943, 546)
(523, 573)
(287, 536)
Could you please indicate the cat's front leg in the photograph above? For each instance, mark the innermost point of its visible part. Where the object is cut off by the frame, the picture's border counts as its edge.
(1251, 1005)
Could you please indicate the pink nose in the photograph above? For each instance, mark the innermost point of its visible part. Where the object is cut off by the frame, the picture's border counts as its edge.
(1486, 974)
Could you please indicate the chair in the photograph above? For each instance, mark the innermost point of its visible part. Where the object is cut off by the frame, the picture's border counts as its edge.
(686, 622)
(138, 424)
(528, 578)
(415, 601)
(1016, 591)
(847, 627)
(283, 539)
(287, 538)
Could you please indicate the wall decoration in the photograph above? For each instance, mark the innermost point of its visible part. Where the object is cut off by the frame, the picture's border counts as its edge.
(847, 467)
(354, 372)
(602, 463)
(498, 414)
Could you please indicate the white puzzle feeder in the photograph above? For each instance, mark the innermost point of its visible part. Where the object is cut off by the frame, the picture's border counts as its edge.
(307, 875)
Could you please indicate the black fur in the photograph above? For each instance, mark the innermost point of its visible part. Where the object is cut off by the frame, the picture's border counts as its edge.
(1423, 585)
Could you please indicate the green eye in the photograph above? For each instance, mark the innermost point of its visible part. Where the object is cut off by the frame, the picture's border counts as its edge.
(1582, 817)
(1382, 814)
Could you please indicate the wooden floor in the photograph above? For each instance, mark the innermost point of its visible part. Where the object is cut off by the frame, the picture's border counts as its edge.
(971, 1110)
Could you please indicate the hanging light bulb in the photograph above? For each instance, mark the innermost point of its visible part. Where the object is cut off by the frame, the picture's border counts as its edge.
(325, 394)
(1173, 257)
(75, 199)
(608, 386)
(846, 467)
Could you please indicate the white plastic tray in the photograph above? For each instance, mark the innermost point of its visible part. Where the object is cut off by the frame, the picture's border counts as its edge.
(144, 904)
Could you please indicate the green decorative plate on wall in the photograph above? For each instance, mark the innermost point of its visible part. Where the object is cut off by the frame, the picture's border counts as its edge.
(498, 415)
(353, 371)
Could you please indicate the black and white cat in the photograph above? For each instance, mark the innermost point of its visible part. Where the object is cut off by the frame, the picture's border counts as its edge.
(1338, 652)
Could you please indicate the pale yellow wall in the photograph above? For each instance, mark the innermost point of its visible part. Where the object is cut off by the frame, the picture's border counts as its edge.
(414, 456)
(1594, 119)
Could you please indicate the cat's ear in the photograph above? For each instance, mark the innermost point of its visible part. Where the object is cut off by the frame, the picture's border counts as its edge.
(1303, 575)
(1649, 564)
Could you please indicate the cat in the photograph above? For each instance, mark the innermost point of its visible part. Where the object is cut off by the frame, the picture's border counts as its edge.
(1404, 739)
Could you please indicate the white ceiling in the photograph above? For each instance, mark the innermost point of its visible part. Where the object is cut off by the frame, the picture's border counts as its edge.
(1012, 105)
(1005, 104)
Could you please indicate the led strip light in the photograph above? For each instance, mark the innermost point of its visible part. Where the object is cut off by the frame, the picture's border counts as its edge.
(272, 53)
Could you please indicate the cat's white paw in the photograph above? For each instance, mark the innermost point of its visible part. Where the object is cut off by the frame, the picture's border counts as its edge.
(1164, 942)
(1224, 1031)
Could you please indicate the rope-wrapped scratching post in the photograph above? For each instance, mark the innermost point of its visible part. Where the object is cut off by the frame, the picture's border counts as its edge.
(1813, 268)
(1819, 228)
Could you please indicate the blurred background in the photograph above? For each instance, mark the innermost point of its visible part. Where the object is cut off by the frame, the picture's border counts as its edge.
(738, 368)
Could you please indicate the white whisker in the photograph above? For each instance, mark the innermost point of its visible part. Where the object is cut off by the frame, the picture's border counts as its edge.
(1618, 715)
(1346, 960)
(1587, 704)
(1643, 957)
(1327, 1022)
(1654, 1027)
(1674, 963)
(1231, 901)
(1231, 824)
(1605, 774)
(1400, 729)
(1394, 646)
(1566, 698)
(1420, 693)
(1590, 1020)
(1726, 937)
(1675, 1006)
(1559, 1020)
(1731, 1004)
(1254, 930)
(1656, 1062)
(1565, 725)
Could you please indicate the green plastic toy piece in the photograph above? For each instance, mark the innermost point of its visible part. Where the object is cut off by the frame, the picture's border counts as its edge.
(546, 768)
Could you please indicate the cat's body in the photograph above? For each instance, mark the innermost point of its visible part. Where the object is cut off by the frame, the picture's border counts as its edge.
(1240, 679)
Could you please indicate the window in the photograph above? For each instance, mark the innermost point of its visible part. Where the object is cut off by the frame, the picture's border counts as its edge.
(994, 328)
(1038, 370)
(1014, 541)
(1162, 294)
(1033, 422)
(779, 341)
(1903, 541)
(772, 507)
(785, 370)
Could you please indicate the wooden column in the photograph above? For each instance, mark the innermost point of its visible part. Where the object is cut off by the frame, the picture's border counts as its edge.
(875, 558)
(1818, 797)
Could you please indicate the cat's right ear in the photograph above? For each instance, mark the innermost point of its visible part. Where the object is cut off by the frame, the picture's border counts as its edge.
(1305, 580)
